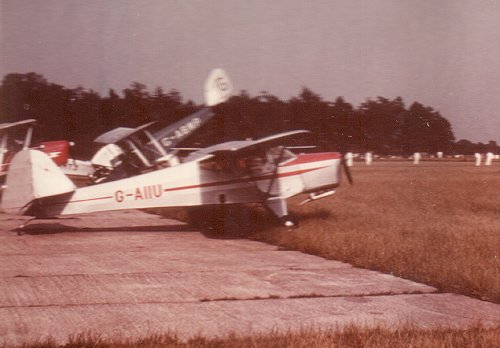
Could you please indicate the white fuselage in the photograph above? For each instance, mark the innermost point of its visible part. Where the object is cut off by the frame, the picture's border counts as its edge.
(190, 184)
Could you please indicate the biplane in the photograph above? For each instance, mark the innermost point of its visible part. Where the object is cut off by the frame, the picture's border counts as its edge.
(139, 168)
(58, 150)
(9, 145)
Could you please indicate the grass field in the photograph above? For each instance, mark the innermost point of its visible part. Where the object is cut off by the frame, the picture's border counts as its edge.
(436, 223)
(347, 338)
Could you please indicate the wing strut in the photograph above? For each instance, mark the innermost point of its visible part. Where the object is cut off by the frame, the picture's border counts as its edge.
(155, 143)
(27, 138)
(139, 154)
(275, 171)
(278, 204)
(279, 207)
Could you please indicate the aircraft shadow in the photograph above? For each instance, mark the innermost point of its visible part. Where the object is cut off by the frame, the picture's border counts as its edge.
(230, 222)
(229, 231)
(56, 227)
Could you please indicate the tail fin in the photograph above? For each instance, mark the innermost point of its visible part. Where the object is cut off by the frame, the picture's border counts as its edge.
(32, 175)
(218, 87)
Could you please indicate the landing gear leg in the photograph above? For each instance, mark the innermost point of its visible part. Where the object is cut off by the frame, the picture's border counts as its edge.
(287, 221)
(20, 228)
(278, 206)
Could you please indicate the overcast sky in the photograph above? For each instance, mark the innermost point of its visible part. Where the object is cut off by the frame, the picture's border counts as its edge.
(444, 54)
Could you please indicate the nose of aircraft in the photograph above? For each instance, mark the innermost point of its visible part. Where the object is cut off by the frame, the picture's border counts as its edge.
(320, 171)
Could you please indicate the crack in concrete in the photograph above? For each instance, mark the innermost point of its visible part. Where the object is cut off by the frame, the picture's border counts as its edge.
(225, 299)
(250, 269)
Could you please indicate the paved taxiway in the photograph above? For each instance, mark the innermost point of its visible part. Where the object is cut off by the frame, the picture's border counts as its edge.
(132, 273)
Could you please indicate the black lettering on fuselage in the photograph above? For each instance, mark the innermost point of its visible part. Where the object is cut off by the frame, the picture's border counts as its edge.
(148, 192)
(119, 197)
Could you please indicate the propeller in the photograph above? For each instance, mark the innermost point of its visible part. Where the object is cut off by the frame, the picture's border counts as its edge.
(343, 151)
(347, 171)
(275, 171)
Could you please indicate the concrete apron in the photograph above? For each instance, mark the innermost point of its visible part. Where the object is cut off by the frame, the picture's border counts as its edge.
(130, 274)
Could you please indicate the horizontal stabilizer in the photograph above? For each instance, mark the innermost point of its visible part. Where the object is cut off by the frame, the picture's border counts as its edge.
(32, 175)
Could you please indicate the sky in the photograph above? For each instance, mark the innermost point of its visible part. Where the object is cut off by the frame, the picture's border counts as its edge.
(444, 54)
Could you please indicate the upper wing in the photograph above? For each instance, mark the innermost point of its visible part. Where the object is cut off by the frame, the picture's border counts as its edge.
(244, 147)
(15, 124)
(118, 134)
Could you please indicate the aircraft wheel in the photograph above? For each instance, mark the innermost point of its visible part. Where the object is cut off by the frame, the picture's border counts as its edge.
(288, 221)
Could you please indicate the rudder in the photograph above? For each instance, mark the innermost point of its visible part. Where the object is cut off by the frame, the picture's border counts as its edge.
(32, 175)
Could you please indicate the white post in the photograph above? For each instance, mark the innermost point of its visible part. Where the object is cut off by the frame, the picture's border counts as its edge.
(478, 159)
(489, 158)
(368, 158)
(3, 150)
(349, 159)
(416, 158)
(439, 154)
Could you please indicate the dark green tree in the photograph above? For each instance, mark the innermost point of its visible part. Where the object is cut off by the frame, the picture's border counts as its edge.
(381, 123)
(342, 125)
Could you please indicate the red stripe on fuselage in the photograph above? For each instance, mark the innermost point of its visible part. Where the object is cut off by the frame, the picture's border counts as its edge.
(313, 157)
(81, 200)
(240, 180)
(218, 183)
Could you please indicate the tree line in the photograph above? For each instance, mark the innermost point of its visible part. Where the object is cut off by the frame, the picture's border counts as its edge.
(381, 125)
